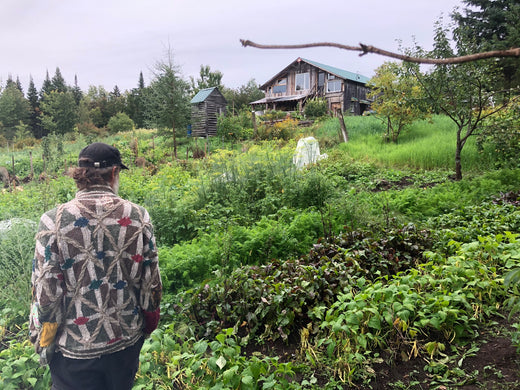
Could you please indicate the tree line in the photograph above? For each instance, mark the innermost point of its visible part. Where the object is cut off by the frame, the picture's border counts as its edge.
(61, 108)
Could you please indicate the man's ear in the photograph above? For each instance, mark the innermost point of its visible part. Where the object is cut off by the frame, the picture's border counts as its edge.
(115, 173)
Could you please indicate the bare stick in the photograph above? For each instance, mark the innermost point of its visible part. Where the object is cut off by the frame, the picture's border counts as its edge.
(365, 49)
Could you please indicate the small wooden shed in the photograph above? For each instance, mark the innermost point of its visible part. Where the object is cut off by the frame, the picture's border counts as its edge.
(206, 106)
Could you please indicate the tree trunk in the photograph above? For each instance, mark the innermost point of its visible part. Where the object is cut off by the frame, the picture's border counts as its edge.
(174, 142)
(458, 151)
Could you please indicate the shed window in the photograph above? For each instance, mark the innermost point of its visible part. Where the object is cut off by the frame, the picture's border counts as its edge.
(334, 85)
(302, 81)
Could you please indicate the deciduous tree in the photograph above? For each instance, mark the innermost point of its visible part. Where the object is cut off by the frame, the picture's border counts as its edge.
(398, 97)
(463, 92)
(239, 98)
(206, 79)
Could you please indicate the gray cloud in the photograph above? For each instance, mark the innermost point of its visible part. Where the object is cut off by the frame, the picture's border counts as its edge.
(109, 42)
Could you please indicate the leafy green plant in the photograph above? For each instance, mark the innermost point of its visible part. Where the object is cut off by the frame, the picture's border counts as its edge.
(316, 108)
(208, 365)
(20, 365)
(16, 253)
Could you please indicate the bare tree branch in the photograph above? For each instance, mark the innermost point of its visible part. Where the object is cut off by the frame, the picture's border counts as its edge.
(365, 49)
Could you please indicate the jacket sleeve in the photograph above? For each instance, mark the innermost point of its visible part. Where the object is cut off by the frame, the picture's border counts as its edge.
(151, 285)
(47, 285)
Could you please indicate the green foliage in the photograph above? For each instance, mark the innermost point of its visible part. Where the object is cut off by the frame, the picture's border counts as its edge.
(278, 130)
(14, 108)
(206, 79)
(492, 26)
(442, 300)
(239, 243)
(16, 253)
(210, 365)
(316, 108)
(272, 300)
(273, 115)
(167, 102)
(502, 131)
(59, 112)
(239, 98)
(397, 97)
(20, 368)
(187, 264)
(235, 127)
(120, 122)
(464, 92)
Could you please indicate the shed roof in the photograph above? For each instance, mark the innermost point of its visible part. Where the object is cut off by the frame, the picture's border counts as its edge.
(202, 95)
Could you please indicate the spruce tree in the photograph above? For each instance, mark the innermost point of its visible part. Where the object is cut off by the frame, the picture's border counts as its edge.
(46, 87)
(492, 25)
(34, 119)
(19, 84)
(58, 82)
(76, 91)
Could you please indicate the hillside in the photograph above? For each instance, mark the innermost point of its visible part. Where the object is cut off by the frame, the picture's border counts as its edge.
(370, 269)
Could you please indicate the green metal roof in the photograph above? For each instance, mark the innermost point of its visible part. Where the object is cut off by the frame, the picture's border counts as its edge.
(202, 95)
(344, 74)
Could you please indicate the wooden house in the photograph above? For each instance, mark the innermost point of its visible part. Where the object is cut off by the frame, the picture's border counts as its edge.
(304, 79)
(206, 106)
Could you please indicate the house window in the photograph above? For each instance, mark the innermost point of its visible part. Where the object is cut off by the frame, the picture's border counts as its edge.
(280, 86)
(334, 85)
(302, 81)
(321, 79)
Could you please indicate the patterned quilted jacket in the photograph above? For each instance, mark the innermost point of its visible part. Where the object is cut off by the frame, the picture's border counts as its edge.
(95, 275)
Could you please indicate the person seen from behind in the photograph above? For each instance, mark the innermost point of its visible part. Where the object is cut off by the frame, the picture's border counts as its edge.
(95, 282)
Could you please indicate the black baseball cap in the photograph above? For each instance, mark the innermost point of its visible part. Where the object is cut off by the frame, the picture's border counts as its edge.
(100, 155)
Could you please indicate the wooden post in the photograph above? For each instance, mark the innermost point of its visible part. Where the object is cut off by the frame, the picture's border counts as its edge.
(253, 117)
(32, 169)
(342, 125)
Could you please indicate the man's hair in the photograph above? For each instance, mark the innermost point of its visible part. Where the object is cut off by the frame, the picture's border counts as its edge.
(86, 177)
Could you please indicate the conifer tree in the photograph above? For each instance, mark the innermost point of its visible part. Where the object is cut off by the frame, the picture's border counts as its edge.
(35, 125)
(46, 87)
(19, 84)
(58, 82)
(76, 91)
(492, 25)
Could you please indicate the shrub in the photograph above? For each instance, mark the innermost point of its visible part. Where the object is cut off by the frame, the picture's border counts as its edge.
(284, 130)
(316, 108)
(120, 122)
(235, 127)
(502, 131)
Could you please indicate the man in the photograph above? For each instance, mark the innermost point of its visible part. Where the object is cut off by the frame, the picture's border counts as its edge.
(96, 282)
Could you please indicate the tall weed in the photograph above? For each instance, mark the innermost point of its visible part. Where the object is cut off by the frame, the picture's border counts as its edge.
(16, 253)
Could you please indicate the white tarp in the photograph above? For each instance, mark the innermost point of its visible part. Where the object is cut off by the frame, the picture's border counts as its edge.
(307, 152)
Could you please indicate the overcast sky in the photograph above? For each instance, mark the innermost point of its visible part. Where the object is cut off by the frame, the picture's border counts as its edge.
(108, 42)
